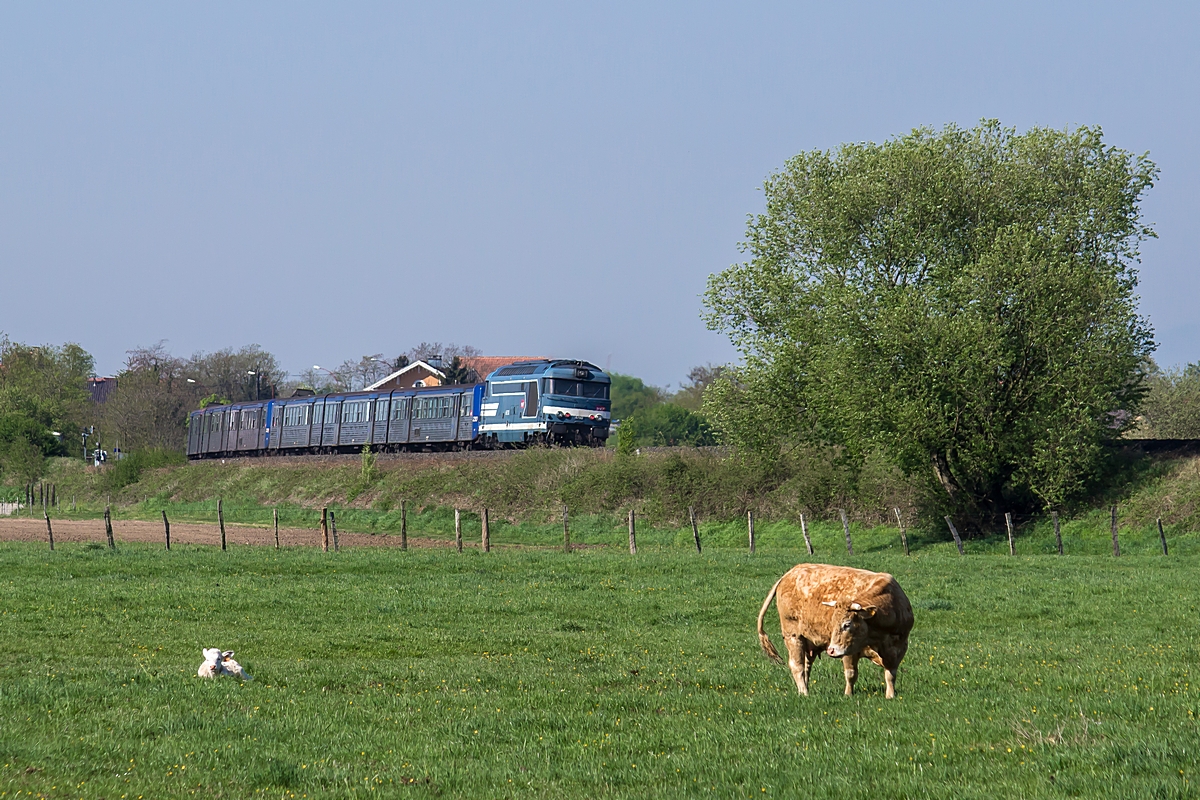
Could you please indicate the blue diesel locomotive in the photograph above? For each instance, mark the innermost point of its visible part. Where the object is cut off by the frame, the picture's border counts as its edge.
(528, 402)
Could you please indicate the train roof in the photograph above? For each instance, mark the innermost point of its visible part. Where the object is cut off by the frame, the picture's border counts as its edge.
(563, 367)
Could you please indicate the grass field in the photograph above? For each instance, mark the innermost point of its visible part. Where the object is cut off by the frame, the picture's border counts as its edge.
(530, 673)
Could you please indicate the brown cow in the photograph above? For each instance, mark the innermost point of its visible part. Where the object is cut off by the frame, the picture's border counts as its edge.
(846, 612)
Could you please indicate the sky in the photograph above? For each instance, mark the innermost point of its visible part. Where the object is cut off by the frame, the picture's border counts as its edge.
(342, 179)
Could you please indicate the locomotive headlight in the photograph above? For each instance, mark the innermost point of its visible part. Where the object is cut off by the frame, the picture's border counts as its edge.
(560, 415)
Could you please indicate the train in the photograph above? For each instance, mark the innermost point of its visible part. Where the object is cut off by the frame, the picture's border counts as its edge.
(542, 401)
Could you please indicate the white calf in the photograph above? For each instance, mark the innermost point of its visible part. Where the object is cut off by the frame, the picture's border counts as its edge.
(217, 663)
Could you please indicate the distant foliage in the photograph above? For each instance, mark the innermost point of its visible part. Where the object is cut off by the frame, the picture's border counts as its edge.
(630, 395)
(668, 424)
(1172, 406)
(42, 389)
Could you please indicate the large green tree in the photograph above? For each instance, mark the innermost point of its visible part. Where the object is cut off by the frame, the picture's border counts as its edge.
(960, 301)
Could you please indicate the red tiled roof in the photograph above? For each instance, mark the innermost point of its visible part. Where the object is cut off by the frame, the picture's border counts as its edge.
(485, 365)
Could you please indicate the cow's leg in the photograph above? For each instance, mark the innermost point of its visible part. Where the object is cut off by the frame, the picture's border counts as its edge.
(798, 661)
(811, 654)
(850, 669)
(890, 657)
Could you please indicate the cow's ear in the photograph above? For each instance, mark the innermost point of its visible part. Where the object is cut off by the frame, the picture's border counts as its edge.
(829, 603)
(227, 654)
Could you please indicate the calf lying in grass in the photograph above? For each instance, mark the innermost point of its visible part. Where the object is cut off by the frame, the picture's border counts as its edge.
(221, 663)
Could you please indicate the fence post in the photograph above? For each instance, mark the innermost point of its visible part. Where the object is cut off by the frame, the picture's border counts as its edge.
(954, 533)
(457, 530)
(1162, 537)
(804, 531)
(166, 529)
(750, 526)
(324, 529)
(275, 517)
(846, 530)
(1116, 545)
(54, 495)
(1012, 547)
(632, 534)
(695, 527)
(903, 532)
(403, 524)
(566, 532)
(1057, 532)
(49, 531)
(333, 527)
(221, 520)
(112, 545)
(487, 534)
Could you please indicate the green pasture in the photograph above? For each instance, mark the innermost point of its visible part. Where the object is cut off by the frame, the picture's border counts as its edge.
(533, 673)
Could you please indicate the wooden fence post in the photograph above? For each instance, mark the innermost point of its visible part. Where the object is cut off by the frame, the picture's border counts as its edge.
(403, 524)
(846, 530)
(275, 517)
(54, 495)
(903, 533)
(750, 527)
(221, 520)
(487, 534)
(804, 531)
(1057, 532)
(324, 529)
(112, 545)
(632, 534)
(954, 533)
(1116, 545)
(333, 527)
(1012, 547)
(49, 531)
(695, 527)
(566, 532)
(457, 530)
(1162, 537)
(166, 529)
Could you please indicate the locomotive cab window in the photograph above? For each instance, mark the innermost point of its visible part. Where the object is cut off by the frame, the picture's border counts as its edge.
(593, 390)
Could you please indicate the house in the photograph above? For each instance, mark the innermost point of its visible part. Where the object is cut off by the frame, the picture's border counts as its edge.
(415, 375)
(432, 373)
(101, 388)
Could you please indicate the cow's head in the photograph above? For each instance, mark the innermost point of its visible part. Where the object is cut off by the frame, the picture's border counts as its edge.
(849, 631)
(211, 655)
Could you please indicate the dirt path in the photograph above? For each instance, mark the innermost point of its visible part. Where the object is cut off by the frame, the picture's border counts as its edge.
(92, 530)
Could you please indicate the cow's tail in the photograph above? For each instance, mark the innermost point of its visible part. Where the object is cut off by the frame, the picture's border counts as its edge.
(763, 639)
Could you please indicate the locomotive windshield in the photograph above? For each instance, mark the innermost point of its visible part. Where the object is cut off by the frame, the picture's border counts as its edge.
(590, 389)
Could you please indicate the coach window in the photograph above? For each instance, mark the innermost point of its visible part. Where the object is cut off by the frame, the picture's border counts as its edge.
(381, 410)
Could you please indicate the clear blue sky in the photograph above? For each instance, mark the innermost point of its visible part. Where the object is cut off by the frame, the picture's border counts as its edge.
(341, 179)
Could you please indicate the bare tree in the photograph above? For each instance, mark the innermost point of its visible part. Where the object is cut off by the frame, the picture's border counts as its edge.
(426, 350)
(247, 373)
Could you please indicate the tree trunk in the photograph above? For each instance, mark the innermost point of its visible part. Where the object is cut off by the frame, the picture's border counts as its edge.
(941, 471)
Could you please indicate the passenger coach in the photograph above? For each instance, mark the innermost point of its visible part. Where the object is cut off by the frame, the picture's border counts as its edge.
(544, 401)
